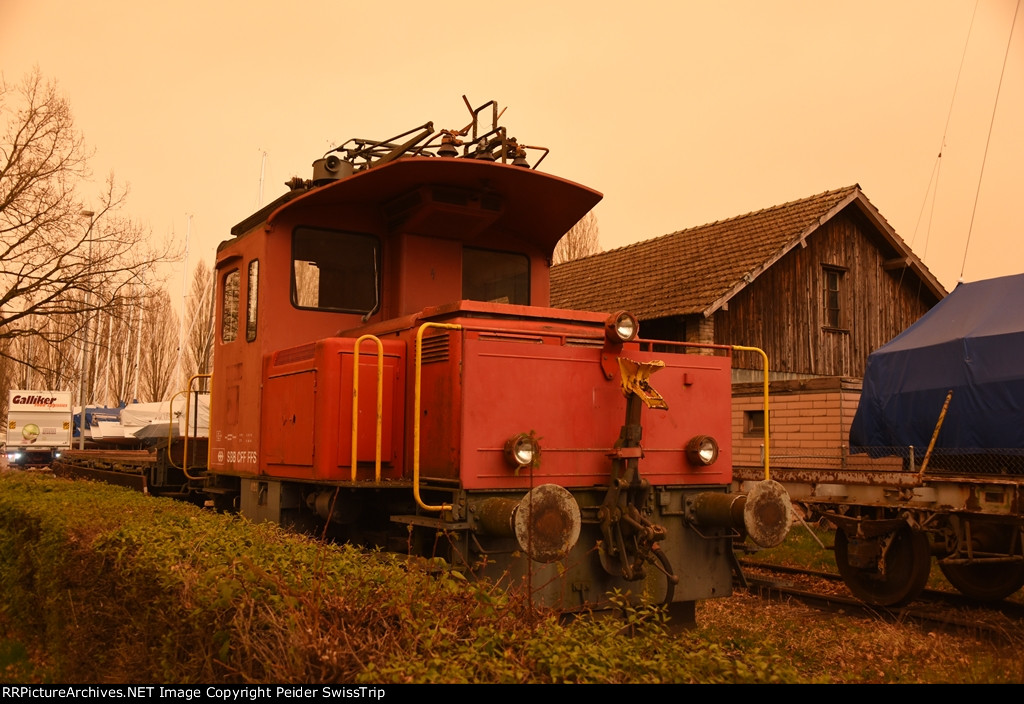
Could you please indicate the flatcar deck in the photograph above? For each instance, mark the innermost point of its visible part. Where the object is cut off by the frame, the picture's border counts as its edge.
(890, 524)
(995, 495)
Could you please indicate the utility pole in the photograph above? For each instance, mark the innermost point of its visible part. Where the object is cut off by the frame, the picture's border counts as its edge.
(85, 344)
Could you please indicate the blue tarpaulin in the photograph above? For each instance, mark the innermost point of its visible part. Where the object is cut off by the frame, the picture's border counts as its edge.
(970, 343)
(93, 415)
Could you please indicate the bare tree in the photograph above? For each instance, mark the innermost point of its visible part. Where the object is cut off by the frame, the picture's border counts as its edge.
(9, 370)
(59, 261)
(159, 347)
(33, 362)
(125, 347)
(113, 371)
(46, 364)
(199, 324)
(580, 241)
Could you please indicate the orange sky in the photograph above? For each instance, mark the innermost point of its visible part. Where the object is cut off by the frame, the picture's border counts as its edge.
(681, 113)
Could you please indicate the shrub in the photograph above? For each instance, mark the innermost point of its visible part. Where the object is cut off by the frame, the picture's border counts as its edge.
(114, 586)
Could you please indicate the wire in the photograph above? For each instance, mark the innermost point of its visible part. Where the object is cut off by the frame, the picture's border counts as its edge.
(942, 145)
(988, 139)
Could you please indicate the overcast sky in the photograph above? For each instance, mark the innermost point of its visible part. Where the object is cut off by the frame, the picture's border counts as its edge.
(681, 113)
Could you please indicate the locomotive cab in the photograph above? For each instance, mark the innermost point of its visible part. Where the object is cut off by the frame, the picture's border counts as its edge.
(387, 365)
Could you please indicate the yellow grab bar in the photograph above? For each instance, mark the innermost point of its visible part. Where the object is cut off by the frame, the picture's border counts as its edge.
(355, 402)
(764, 356)
(188, 409)
(416, 417)
(170, 428)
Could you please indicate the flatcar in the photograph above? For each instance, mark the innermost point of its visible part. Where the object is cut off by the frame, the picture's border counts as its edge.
(935, 467)
(892, 521)
(387, 371)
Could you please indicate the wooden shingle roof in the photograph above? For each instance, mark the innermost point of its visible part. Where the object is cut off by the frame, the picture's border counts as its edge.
(698, 270)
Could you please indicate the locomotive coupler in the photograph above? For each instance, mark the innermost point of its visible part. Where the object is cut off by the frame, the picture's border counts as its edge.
(629, 537)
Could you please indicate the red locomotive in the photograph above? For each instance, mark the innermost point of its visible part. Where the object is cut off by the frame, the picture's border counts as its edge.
(387, 370)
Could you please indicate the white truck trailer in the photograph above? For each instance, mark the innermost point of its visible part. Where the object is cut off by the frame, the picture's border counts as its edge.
(38, 426)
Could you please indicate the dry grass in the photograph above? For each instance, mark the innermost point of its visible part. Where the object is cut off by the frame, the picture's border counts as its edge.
(844, 649)
(847, 649)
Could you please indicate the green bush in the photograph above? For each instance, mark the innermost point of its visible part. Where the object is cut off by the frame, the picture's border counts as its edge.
(112, 586)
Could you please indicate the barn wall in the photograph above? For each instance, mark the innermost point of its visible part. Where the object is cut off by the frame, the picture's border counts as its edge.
(783, 311)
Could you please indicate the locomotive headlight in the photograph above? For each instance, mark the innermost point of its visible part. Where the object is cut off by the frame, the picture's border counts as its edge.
(521, 450)
(621, 327)
(702, 450)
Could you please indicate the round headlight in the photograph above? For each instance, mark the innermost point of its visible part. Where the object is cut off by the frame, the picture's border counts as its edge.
(521, 450)
(702, 450)
(622, 327)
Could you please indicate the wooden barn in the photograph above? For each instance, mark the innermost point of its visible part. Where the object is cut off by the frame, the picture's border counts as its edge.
(816, 283)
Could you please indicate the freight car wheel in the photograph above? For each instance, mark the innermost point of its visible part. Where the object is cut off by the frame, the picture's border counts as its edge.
(901, 577)
(987, 581)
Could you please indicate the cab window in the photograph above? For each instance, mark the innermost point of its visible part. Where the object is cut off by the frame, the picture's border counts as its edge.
(252, 298)
(229, 307)
(496, 277)
(335, 270)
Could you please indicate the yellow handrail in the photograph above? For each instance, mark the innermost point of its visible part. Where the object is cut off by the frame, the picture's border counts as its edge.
(170, 428)
(765, 403)
(416, 417)
(355, 402)
(188, 409)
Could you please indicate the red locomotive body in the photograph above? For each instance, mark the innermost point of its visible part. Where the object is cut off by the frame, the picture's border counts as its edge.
(512, 439)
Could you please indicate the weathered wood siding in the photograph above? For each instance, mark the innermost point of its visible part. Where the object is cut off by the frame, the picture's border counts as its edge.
(783, 310)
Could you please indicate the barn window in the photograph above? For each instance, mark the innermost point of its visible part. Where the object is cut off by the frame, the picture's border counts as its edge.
(833, 297)
(497, 277)
(753, 423)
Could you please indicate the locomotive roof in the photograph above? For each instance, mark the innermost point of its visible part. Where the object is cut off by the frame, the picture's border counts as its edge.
(538, 206)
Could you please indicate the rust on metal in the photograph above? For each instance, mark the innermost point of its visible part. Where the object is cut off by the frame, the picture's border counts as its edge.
(764, 513)
(767, 514)
(857, 527)
(547, 523)
(830, 476)
(715, 509)
(494, 516)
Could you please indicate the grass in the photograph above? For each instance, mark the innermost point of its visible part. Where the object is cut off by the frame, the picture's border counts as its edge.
(839, 648)
(847, 649)
(806, 546)
(17, 665)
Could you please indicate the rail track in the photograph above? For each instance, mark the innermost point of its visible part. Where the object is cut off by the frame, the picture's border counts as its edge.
(933, 609)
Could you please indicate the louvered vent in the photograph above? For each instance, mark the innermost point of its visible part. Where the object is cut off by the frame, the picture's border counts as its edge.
(583, 342)
(295, 354)
(435, 349)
